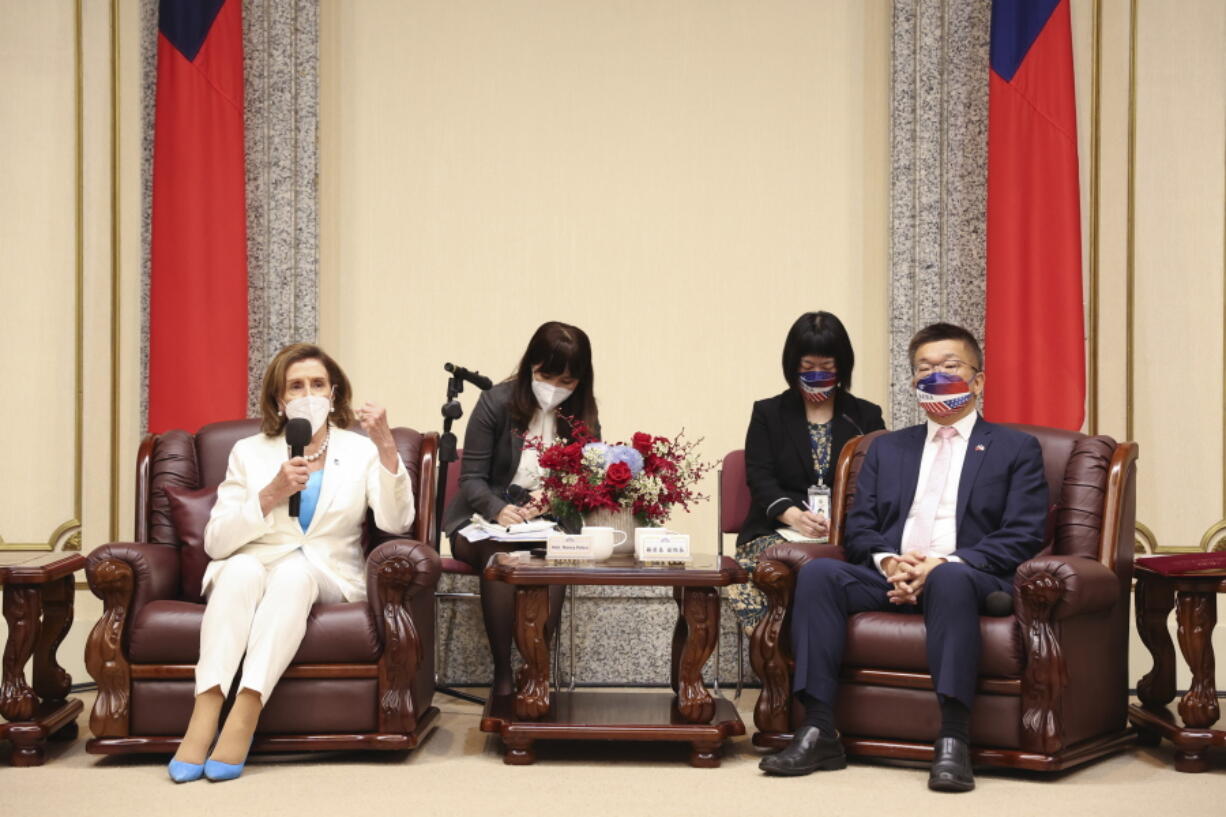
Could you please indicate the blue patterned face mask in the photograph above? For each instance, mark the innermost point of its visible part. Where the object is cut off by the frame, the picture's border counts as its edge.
(817, 387)
(940, 394)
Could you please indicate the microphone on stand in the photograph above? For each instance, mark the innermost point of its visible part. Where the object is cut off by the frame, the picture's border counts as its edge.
(476, 378)
(297, 434)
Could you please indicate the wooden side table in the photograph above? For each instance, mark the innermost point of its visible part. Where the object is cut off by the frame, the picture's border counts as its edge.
(535, 712)
(38, 599)
(1195, 600)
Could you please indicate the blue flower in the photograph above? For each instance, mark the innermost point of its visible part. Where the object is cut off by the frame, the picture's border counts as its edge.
(626, 454)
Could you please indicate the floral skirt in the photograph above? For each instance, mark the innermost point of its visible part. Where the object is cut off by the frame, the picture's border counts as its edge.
(746, 600)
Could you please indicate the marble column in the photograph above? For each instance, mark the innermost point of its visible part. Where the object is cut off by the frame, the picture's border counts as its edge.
(938, 180)
(281, 63)
(281, 73)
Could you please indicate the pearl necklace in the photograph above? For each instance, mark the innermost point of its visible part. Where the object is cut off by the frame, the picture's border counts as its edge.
(323, 448)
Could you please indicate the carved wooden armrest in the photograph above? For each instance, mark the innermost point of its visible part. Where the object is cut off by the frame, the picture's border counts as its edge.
(1049, 589)
(396, 572)
(770, 646)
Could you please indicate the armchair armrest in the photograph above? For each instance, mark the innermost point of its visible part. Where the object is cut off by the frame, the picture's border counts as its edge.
(796, 555)
(126, 576)
(155, 571)
(396, 571)
(769, 647)
(1049, 590)
(1069, 585)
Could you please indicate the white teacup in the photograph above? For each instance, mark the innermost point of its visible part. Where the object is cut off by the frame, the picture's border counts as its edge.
(604, 540)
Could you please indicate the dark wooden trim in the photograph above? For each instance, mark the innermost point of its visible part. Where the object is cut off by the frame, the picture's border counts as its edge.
(144, 455)
(402, 648)
(187, 672)
(1192, 744)
(922, 680)
(633, 716)
(106, 648)
(427, 470)
(619, 570)
(40, 568)
(1123, 462)
(153, 744)
(1046, 673)
(769, 647)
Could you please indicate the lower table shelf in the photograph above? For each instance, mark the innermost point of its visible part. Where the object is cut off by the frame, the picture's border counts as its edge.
(613, 716)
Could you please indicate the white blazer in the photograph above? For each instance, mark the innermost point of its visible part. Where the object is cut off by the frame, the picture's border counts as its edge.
(353, 479)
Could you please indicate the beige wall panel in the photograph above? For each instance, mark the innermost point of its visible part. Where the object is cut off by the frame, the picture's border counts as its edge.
(38, 248)
(1180, 133)
(128, 257)
(1112, 229)
(679, 179)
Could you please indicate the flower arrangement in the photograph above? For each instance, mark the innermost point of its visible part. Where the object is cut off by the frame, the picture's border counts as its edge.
(648, 477)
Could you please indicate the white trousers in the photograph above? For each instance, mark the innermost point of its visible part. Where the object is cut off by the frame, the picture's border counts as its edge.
(261, 611)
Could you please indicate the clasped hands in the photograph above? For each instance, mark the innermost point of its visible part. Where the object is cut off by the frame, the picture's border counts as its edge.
(908, 573)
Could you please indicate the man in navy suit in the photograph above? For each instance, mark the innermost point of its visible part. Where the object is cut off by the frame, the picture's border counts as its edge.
(944, 513)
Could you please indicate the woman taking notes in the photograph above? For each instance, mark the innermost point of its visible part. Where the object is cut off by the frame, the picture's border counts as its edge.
(793, 443)
(554, 382)
(268, 567)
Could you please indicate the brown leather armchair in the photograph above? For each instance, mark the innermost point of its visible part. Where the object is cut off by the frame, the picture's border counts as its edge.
(363, 677)
(1053, 688)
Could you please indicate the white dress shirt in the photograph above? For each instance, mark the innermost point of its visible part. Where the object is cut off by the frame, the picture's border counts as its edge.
(944, 528)
(543, 425)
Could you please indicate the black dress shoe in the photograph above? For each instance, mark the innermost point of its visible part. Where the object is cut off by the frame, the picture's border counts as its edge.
(807, 753)
(951, 766)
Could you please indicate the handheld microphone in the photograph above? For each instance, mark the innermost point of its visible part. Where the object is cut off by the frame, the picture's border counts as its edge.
(476, 378)
(998, 603)
(297, 435)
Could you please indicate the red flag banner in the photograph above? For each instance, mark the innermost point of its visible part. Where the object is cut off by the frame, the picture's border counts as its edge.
(1035, 322)
(198, 277)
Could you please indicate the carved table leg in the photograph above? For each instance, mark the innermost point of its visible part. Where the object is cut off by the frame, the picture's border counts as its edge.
(700, 610)
(1197, 615)
(51, 681)
(679, 635)
(1154, 600)
(705, 755)
(22, 612)
(531, 615)
(519, 751)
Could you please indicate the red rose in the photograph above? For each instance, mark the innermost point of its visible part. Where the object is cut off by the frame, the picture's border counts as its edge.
(618, 474)
(642, 442)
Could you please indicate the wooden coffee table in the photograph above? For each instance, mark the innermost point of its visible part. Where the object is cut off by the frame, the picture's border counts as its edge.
(1190, 729)
(38, 597)
(690, 714)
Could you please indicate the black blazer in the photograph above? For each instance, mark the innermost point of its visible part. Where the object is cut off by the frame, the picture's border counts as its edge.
(779, 457)
(1002, 497)
(492, 449)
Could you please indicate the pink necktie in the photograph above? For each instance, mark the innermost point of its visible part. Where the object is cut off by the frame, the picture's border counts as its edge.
(921, 528)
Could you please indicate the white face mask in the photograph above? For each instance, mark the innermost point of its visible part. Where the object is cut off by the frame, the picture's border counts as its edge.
(549, 396)
(314, 408)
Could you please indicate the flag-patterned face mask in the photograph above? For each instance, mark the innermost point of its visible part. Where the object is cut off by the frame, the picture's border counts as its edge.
(941, 395)
(817, 387)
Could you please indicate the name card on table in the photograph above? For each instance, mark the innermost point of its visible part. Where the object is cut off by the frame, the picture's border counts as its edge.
(663, 547)
(569, 547)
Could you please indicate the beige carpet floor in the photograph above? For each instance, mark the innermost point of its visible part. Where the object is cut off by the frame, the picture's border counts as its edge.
(459, 771)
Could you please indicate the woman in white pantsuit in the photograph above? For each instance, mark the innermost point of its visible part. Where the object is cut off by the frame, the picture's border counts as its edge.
(268, 567)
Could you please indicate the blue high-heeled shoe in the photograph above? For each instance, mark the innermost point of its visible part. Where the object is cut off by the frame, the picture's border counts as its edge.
(181, 772)
(217, 771)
